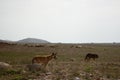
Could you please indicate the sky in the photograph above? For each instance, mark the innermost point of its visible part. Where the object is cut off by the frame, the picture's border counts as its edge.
(66, 21)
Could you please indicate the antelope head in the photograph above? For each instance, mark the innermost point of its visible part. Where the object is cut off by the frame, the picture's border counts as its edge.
(54, 55)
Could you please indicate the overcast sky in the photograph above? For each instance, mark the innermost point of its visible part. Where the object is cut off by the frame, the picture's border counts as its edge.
(69, 21)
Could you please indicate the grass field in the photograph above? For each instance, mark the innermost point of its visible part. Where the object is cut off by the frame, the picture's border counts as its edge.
(69, 65)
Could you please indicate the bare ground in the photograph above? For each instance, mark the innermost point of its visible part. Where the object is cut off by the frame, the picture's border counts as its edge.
(69, 65)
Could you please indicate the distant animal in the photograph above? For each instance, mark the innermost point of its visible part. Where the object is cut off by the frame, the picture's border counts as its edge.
(43, 60)
(71, 46)
(79, 46)
(91, 56)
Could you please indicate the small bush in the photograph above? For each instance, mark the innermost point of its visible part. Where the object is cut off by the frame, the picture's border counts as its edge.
(9, 72)
(88, 69)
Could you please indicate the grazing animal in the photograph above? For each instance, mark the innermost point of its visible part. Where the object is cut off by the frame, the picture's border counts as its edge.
(90, 55)
(43, 59)
(79, 46)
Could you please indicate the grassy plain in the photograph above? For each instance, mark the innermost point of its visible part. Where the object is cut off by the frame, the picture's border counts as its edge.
(69, 65)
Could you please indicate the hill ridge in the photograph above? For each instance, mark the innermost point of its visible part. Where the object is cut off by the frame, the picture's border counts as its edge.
(26, 40)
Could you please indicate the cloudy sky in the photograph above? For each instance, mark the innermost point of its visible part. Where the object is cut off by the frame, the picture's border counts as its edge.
(69, 21)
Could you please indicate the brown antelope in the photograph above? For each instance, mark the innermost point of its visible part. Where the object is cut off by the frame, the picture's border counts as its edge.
(43, 60)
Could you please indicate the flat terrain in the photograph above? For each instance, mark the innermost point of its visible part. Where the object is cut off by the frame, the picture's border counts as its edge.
(69, 65)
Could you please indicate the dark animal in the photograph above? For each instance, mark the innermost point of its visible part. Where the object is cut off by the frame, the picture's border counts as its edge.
(91, 56)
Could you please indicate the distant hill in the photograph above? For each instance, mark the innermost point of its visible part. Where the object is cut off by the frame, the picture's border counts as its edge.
(26, 40)
(32, 40)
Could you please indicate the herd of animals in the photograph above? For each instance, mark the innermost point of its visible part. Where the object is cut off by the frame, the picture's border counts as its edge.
(44, 60)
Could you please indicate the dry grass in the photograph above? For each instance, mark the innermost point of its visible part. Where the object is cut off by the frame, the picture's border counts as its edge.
(69, 64)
